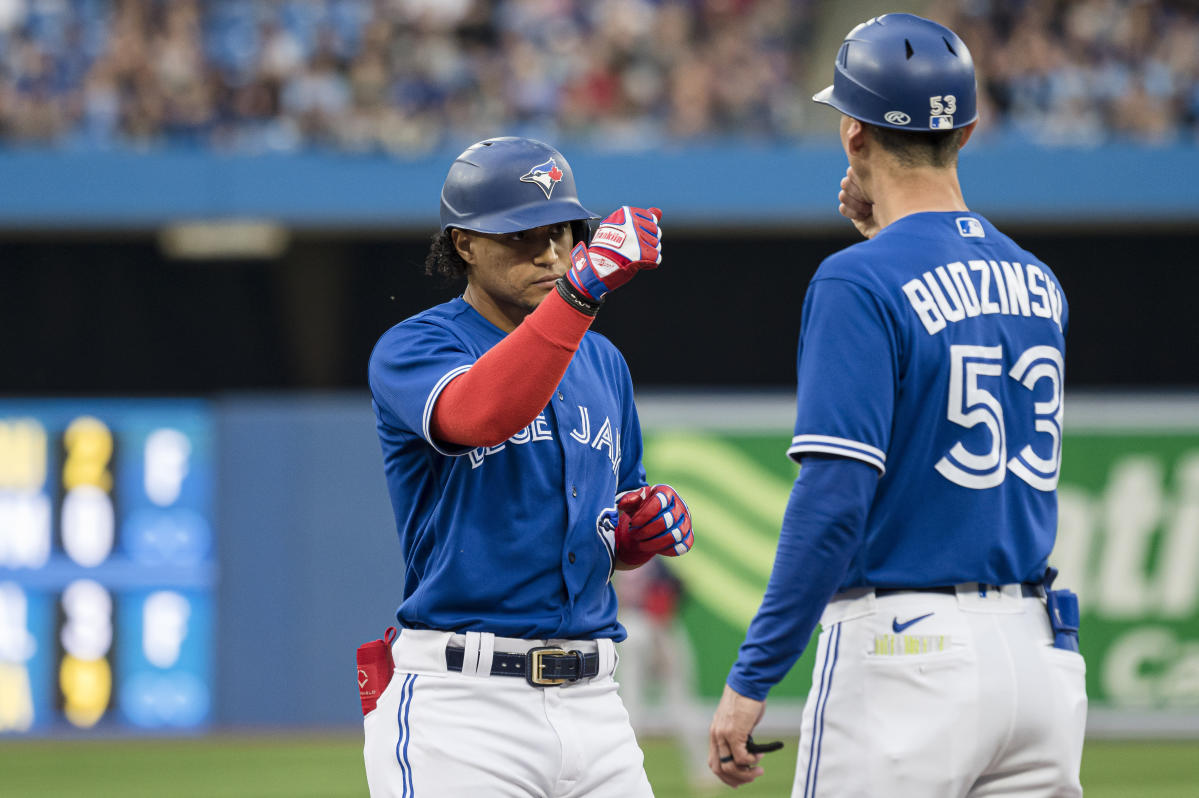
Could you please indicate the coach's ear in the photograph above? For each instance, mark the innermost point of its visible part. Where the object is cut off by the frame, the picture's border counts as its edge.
(463, 242)
(967, 132)
(853, 137)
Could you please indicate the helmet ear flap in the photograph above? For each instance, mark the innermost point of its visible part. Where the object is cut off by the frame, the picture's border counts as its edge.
(581, 230)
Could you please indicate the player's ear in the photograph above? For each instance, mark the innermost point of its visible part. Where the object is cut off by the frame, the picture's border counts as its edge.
(463, 243)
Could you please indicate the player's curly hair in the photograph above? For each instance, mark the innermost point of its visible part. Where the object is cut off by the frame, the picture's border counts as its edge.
(443, 259)
(914, 148)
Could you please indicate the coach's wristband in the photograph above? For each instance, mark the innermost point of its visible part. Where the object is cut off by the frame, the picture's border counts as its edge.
(576, 300)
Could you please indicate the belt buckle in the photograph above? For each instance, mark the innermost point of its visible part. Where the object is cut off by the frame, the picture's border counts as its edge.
(536, 666)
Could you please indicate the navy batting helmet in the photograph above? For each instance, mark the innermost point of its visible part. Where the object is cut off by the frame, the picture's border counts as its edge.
(508, 184)
(904, 72)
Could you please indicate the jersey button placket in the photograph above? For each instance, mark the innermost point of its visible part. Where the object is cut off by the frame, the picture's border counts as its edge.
(574, 491)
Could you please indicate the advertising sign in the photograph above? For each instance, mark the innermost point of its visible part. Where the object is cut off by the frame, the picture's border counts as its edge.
(1128, 540)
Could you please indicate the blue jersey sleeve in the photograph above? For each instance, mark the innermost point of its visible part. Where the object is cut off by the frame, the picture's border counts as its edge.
(846, 374)
(410, 367)
(822, 530)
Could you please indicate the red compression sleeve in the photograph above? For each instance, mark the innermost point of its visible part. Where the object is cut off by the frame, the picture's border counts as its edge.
(506, 388)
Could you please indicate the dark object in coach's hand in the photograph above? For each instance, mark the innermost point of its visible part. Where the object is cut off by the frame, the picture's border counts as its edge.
(756, 748)
(762, 748)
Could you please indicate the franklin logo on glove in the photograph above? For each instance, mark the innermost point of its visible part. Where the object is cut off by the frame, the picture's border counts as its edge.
(608, 235)
(626, 242)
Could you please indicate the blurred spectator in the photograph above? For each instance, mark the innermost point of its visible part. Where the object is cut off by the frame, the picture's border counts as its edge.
(409, 76)
(402, 76)
(1085, 72)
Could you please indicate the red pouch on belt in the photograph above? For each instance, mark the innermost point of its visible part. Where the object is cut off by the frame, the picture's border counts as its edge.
(375, 668)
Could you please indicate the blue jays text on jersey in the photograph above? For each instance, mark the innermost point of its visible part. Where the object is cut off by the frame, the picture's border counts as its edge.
(506, 538)
(939, 344)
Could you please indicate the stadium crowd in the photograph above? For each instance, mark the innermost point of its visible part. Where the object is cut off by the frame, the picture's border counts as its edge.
(409, 76)
(397, 75)
(1084, 72)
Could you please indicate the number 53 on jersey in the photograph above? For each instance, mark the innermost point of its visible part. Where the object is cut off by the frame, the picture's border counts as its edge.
(974, 371)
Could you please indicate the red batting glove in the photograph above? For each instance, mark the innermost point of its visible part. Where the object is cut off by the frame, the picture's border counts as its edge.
(625, 243)
(653, 520)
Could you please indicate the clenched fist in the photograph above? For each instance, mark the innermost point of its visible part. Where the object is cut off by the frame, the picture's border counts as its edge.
(626, 242)
(653, 520)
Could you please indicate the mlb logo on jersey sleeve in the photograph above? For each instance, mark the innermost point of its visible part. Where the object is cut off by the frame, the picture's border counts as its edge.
(970, 227)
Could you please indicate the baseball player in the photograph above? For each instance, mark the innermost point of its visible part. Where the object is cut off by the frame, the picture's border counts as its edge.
(512, 453)
(928, 431)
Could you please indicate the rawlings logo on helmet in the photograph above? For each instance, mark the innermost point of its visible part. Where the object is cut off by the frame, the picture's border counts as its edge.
(897, 117)
(545, 176)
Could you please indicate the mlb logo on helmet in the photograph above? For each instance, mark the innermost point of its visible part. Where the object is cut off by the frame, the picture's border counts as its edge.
(545, 176)
(943, 122)
(970, 227)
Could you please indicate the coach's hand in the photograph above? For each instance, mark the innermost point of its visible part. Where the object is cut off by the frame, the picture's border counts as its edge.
(625, 243)
(734, 721)
(856, 206)
(653, 520)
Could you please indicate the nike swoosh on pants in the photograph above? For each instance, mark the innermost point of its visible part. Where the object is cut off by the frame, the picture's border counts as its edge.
(898, 627)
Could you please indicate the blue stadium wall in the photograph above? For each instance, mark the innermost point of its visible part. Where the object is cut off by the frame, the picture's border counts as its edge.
(727, 186)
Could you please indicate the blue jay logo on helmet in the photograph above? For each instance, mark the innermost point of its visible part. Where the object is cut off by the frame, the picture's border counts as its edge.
(545, 176)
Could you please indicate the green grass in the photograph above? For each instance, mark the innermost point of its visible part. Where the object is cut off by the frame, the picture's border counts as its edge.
(1151, 769)
(211, 767)
(331, 767)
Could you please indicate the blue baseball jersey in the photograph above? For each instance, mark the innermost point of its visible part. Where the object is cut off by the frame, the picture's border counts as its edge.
(934, 352)
(505, 539)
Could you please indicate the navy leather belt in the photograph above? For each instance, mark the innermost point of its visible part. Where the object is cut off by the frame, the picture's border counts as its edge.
(541, 667)
(1027, 589)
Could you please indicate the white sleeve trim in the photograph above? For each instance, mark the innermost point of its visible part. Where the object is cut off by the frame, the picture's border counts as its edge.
(827, 444)
(427, 418)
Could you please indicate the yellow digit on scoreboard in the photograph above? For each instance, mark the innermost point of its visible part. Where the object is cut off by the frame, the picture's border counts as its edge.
(88, 442)
(22, 455)
(86, 689)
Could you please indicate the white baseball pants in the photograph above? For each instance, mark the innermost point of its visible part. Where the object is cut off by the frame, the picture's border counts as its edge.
(438, 734)
(941, 695)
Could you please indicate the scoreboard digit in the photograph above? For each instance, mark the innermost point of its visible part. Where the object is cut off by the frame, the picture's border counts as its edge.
(106, 565)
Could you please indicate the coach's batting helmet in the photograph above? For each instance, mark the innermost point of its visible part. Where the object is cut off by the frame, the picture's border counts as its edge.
(507, 184)
(904, 72)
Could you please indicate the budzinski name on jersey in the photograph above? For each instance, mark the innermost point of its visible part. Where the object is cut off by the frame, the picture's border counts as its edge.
(606, 435)
(959, 290)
